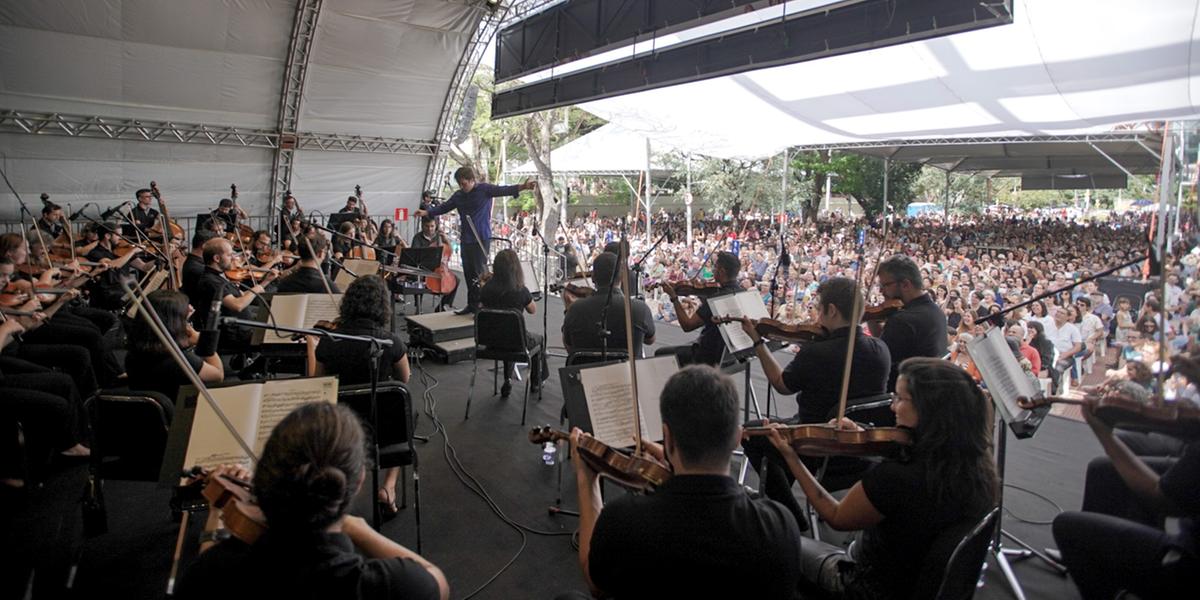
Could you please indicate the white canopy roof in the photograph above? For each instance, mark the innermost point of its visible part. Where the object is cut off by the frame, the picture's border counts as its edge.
(377, 67)
(1062, 66)
(609, 150)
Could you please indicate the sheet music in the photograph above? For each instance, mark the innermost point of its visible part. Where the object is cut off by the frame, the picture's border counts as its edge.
(533, 277)
(210, 443)
(606, 389)
(254, 409)
(300, 310)
(1005, 379)
(741, 304)
(361, 268)
(281, 396)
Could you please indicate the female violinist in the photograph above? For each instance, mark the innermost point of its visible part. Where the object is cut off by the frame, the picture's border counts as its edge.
(365, 310)
(815, 375)
(312, 466)
(902, 506)
(149, 364)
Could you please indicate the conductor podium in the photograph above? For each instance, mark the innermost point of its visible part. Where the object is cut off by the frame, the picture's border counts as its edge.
(447, 336)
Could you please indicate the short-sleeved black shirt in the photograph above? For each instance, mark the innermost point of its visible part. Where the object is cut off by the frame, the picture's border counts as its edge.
(918, 329)
(324, 566)
(192, 271)
(893, 551)
(348, 358)
(1181, 483)
(581, 325)
(305, 280)
(815, 373)
(711, 346)
(158, 372)
(493, 295)
(698, 536)
(212, 286)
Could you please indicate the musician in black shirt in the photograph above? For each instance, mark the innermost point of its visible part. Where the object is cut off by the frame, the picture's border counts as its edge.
(815, 376)
(308, 278)
(143, 216)
(917, 329)
(699, 535)
(506, 290)
(430, 236)
(193, 263)
(581, 325)
(213, 286)
(710, 347)
(51, 223)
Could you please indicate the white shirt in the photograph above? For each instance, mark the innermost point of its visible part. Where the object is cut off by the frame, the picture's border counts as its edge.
(1065, 337)
(1090, 325)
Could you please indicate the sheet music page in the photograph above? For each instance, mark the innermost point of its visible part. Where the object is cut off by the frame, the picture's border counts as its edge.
(210, 443)
(606, 389)
(320, 308)
(288, 311)
(360, 267)
(748, 304)
(1005, 379)
(281, 396)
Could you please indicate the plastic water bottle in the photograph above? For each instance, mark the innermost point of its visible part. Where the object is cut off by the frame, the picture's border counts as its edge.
(549, 450)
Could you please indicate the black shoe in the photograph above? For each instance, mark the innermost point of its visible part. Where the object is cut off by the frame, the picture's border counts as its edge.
(466, 310)
(506, 389)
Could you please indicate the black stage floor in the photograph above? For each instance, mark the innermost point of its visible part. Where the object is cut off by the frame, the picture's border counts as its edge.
(460, 533)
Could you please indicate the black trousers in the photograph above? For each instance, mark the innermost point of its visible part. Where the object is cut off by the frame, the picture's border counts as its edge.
(1117, 543)
(474, 260)
(777, 479)
(70, 359)
(68, 329)
(49, 412)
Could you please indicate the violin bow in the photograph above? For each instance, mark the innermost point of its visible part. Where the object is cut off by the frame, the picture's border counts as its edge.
(855, 322)
(623, 261)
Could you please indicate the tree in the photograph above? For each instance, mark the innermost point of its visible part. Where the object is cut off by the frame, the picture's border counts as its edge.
(862, 178)
(809, 171)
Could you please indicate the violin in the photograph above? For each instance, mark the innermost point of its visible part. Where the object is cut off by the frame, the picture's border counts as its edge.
(579, 291)
(774, 329)
(13, 298)
(695, 287)
(824, 439)
(639, 473)
(883, 310)
(241, 515)
(1119, 406)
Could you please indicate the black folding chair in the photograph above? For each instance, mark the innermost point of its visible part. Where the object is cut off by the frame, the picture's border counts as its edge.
(130, 433)
(500, 336)
(952, 568)
(395, 436)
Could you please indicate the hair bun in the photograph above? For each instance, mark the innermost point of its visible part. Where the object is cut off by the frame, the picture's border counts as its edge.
(326, 483)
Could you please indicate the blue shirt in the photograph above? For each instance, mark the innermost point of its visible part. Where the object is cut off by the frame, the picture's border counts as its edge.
(475, 207)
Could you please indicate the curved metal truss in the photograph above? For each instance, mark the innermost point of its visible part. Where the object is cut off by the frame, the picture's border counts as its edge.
(485, 30)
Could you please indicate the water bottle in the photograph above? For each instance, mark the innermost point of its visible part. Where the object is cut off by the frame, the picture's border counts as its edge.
(549, 450)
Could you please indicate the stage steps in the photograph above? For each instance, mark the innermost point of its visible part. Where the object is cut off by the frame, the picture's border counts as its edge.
(447, 336)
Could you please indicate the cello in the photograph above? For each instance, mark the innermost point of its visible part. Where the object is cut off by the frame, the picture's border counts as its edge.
(443, 281)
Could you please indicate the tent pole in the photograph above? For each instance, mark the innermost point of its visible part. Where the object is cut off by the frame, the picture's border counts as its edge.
(947, 210)
(649, 234)
(887, 163)
(687, 201)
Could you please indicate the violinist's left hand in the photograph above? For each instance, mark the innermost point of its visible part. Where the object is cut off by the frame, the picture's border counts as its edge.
(584, 474)
(780, 442)
(656, 450)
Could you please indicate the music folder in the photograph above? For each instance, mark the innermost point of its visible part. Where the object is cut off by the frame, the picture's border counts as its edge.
(749, 304)
(1006, 381)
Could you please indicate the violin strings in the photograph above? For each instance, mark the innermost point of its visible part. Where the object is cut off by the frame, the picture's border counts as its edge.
(468, 479)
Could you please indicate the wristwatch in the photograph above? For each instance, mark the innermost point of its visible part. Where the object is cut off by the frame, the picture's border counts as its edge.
(214, 536)
(759, 342)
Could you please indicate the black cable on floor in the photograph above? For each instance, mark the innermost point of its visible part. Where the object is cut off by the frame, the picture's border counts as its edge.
(472, 483)
(1036, 495)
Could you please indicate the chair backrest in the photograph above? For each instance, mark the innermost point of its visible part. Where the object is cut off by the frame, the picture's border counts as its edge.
(955, 561)
(500, 330)
(130, 433)
(873, 409)
(587, 357)
(393, 403)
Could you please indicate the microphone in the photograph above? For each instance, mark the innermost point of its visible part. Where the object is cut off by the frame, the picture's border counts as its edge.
(104, 216)
(209, 336)
(75, 215)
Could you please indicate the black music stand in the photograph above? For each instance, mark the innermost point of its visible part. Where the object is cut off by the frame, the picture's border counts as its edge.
(1005, 380)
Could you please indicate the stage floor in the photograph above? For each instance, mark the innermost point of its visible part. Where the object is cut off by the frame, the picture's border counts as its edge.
(459, 532)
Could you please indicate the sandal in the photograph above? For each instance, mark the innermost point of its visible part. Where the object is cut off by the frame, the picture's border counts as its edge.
(387, 503)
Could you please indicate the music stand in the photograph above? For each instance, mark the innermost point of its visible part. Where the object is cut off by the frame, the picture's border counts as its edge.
(428, 258)
(336, 219)
(1005, 381)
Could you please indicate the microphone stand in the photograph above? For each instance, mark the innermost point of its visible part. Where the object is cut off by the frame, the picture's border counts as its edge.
(375, 353)
(356, 241)
(637, 266)
(546, 250)
(603, 324)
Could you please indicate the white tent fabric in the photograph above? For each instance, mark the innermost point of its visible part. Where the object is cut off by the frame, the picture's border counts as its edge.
(1063, 66)
(377, 67)
(609, 150)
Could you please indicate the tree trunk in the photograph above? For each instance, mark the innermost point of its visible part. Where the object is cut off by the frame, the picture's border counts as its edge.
(537, 140)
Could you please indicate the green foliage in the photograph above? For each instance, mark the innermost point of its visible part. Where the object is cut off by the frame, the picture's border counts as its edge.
(862, 178)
